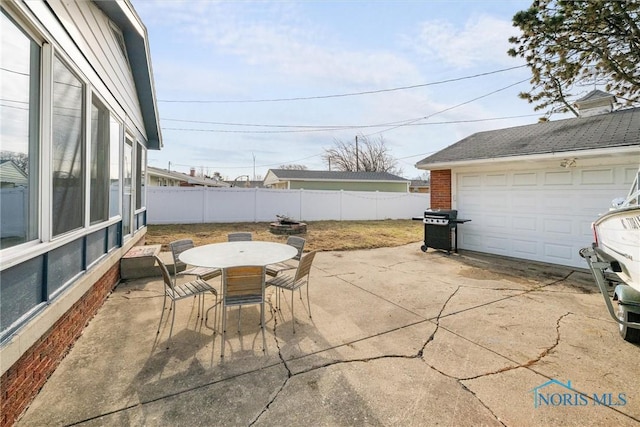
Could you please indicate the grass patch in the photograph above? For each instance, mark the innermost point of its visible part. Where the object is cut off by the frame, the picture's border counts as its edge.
(320, 236)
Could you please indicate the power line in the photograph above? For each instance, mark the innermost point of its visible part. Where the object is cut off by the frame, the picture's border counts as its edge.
(359, 127)
(326, 128)
(341, 95)
(330, 127)
(454, 106)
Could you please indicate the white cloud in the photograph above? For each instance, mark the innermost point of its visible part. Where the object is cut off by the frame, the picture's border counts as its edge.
(482, 40)
(279, 40)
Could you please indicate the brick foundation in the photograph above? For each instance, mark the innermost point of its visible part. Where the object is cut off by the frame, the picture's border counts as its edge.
(22, 382)
(441, 189)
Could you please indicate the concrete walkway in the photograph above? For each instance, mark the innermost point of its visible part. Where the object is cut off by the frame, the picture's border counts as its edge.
(398, 337)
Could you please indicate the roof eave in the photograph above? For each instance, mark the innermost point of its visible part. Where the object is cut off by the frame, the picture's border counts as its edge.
(343, 180)
(588, 153)
(136, 38)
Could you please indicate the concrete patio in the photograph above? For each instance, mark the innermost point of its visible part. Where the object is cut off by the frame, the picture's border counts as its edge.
(398, 337)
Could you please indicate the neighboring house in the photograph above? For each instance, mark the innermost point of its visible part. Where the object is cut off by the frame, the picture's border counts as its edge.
(11, 175)
(157, 177)
(292, 179)
(78, 93)
(533, 191)
(419, 186)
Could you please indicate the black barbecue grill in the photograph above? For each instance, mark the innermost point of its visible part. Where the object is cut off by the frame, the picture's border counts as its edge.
(438, 226)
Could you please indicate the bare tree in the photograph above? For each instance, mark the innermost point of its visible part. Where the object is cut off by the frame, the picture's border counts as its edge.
(294, 167)
(361, 155)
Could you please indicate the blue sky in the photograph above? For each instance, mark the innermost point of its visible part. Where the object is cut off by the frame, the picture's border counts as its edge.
(226, 54)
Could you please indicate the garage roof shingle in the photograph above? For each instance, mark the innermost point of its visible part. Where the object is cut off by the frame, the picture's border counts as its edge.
(616, 129)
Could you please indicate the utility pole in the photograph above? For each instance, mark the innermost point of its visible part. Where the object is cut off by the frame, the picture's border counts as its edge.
(169, 166)
(254, 166)
(357, 159)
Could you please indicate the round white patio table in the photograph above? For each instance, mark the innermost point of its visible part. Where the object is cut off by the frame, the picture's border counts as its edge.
(234, 254)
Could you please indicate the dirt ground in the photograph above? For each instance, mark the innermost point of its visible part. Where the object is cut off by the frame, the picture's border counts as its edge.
(320, 235)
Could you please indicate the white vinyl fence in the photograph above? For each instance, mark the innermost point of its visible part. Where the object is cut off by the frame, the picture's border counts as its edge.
(13, 211)
(190, 205)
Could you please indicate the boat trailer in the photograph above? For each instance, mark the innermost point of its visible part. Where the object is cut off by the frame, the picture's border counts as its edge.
(628, 313)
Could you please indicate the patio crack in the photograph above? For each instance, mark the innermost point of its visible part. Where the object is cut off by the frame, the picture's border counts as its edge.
(545, 352)
(290, 374)
(284, 363)
(433, 334)
(419, 354)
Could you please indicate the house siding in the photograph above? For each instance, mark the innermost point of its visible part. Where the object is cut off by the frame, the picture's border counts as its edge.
(349, 186)
(70, 274)
(91, 30)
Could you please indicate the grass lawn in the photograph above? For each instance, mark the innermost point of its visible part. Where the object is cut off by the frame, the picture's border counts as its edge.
(321, 235)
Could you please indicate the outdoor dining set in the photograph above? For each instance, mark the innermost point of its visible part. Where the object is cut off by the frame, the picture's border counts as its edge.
(246, 267)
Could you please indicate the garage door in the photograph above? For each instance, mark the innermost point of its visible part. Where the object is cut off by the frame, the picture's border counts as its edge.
(543, 215)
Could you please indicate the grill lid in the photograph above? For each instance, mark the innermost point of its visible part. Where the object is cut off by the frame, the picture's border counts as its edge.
(440, 216)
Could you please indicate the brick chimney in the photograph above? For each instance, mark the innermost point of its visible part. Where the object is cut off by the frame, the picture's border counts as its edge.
(192, 172)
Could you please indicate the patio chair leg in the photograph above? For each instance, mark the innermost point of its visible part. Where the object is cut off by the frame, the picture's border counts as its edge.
(264, 340)
(308, 303)
(164, 303)
(293, 317)
(215, 316)
(224, 328)
(173, 319)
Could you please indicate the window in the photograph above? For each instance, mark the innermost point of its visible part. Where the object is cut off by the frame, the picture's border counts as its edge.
(100, 171)
(115, 141)
(67, 150)
(141, 166)
(19, 133)
(127, 190)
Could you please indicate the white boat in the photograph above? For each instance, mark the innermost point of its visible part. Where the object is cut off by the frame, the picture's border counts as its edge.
(617, 237)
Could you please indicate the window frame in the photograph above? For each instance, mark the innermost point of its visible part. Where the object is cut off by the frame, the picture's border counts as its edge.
(102, 169)
(41, 250)
(33, 229)
(82, 173)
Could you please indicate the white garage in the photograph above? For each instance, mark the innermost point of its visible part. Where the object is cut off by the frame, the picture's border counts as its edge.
(533, 191)
(541, 214)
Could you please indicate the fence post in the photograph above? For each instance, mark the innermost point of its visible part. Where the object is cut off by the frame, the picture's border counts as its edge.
(255, 204)
(300, 204)
(205, 198)
(341, 194)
